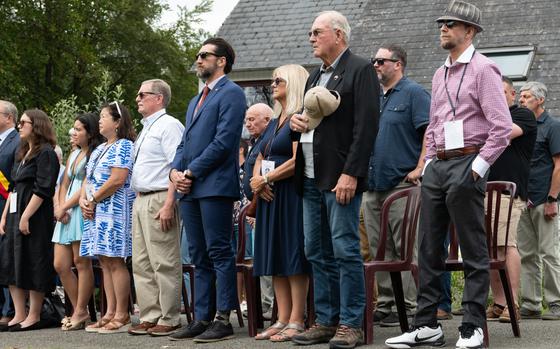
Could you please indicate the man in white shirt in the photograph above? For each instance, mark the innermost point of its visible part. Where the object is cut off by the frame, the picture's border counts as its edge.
(156, 257)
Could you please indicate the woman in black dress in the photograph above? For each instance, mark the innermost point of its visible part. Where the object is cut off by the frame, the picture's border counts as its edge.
(26, 259)
(279, 221)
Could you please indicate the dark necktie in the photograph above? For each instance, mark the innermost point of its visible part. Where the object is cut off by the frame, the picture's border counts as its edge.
(202, 98)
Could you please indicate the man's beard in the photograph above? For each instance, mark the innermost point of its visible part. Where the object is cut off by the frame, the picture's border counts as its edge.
(204, 74)
(448, 45)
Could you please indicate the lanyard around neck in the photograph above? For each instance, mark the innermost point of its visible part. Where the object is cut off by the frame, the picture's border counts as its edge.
(145, 134)
(454, 106)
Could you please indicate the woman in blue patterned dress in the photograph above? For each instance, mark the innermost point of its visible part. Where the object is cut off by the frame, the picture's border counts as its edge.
(70, 223)
(106, 202)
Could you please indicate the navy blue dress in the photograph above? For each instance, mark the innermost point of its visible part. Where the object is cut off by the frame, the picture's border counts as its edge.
(279, 223)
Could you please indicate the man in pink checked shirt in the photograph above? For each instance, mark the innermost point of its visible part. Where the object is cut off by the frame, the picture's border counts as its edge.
(469, 128)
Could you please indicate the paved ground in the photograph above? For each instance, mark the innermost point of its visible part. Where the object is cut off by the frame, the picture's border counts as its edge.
(536, 334)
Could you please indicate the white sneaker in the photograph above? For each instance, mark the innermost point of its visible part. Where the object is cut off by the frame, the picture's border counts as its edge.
(471, 337)
(418, 336)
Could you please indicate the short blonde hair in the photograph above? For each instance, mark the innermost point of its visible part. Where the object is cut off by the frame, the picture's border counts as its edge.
(295, 76)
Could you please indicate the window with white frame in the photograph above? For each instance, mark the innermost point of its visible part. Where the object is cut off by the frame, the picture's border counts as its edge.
(514, 62)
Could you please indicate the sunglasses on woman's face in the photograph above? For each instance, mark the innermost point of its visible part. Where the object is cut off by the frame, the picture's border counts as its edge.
(277, 81)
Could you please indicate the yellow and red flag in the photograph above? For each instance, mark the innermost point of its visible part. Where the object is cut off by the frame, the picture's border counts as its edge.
(4, 185)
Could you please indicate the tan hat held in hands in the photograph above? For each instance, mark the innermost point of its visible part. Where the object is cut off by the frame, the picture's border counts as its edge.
(318, 103)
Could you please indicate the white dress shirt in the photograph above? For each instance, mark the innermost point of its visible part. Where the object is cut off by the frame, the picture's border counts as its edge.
(5, 134)
(154, 151)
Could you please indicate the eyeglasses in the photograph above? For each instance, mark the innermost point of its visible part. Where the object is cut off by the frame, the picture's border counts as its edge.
(203, 55)
(448, 24)
(315, 32)
(381, 61)
(1, 112)
(277, 81)
(118, 108)
(22, 123)
(141, 95)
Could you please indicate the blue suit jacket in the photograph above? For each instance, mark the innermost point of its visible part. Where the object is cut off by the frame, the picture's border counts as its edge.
(7, 154)
(210, 144)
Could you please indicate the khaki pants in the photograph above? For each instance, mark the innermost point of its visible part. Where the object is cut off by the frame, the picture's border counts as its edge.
(371, 206)
(539, 248)
(156, 262)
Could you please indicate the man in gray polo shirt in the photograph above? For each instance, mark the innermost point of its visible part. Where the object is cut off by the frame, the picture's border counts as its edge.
(404, 108)
(537, 237)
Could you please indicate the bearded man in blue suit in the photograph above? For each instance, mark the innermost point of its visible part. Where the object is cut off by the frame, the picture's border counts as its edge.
(205, 173)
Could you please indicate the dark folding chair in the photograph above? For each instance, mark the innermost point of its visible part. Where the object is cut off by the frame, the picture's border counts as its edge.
(251, 283)
(494, 192)
(394, 267)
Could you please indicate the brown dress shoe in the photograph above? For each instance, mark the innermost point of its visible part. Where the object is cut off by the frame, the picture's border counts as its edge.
(141, 328)
(163, 330)
(505, 317)
(493, 312)
(443, 315)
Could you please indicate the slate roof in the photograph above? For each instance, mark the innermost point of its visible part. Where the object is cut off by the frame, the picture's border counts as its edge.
(266, 34)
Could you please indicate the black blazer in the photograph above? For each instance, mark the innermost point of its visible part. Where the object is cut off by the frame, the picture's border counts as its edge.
(343, 141)
(7, 156)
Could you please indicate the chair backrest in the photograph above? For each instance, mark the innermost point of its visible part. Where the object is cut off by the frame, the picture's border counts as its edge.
(409, 223)
(495, 190)
(241, 224)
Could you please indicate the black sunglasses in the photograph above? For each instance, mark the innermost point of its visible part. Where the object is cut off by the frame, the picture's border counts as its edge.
(448, 24)
(277, 81)
(381, 61)
(203, 55)
(144, 94)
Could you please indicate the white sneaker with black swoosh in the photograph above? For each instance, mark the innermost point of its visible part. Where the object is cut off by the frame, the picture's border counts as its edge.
(417, 336)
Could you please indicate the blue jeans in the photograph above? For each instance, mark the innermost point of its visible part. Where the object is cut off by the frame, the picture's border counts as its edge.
(332, 246)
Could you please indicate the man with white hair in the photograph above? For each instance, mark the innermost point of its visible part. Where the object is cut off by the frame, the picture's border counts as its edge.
(257, 118)
(156, 258)
(537, 237)
(331, 173)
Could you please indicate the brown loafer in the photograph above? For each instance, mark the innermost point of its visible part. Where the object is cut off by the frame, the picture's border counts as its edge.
(141, 328)
(443, 315)
(162, 330)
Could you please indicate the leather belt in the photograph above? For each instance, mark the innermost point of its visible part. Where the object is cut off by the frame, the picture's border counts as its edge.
(443, 154)
(150, 192)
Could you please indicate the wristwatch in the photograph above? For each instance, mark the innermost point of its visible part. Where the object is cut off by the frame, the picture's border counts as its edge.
(188, 173)
(92, 199)
(551, 199)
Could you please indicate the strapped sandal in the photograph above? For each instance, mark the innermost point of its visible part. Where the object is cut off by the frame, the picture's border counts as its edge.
(283, 335)
(75, 325)
(94, 328)
(271, 331)
(115, 326)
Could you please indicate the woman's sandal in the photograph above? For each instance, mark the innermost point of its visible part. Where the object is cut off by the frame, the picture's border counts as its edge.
(65, 321)
(94, 328)
(283, 335)
(271, 331)
(115, 326)
(75, 325)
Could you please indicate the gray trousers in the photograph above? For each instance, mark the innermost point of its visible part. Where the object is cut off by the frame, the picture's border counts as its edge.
(371, 206)
(449, 193)
(539, 247)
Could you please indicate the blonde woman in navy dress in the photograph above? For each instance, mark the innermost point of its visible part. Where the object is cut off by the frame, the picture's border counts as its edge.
(279, 247)
(106, 202)
(70, 223)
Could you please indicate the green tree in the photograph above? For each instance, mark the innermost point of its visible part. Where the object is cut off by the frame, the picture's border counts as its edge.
(53, 50)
